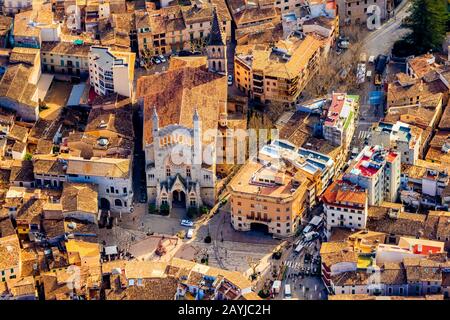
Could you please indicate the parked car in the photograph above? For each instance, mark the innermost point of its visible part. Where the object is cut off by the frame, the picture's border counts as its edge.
(187, 223)
(156, 60)
(230, 79)
(343, 38)
(162, 58)
(184, 53)
(344, 44)
(287, 292)
(190, 233)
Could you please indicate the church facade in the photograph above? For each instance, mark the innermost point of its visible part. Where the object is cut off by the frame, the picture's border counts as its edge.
(184, 109)
(177, 172)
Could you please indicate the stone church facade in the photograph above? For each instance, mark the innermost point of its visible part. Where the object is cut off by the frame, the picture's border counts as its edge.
(176, 173)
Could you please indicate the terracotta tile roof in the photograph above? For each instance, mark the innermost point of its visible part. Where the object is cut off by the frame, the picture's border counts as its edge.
(177, 93)
(65, 48)
(421, 65)
(9, 252)
(444, 124)
(407, 224)
(101, 167)
(337, 252)
(22, 171)
(48, 165)
(80, 197)
(341, 192)
(117, 120)
(150, 289)
(24, 55)
(351, 278)
(14, 85)
(31, 211)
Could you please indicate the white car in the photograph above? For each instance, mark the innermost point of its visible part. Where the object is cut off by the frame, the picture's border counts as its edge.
(230, 80)
(190, 233)
(187, 223)
(162, 58)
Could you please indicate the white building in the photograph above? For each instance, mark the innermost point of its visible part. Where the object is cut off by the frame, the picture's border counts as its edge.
(377, 170)
(111, 71)
(188, 183)
(345, 206)
(339, 125)
(183, 109)
(402, 137)
(112, 175)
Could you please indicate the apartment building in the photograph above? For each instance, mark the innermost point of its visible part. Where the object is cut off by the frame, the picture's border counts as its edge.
(357, 11)
(87, 15)
(178, 27)
(35, 26)
(339, 125)
(423, 184)
(317, 167)
(113, 177)
(402, 137)
(409, 92)
(111, 71)
(378, 171)
(277, 73)
(11, 7)
(266, 197)
(345, 206)
(65, 57)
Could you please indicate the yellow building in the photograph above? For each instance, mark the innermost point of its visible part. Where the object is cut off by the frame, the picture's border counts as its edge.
(177, 27)
(268, 197)
(82, 253)
(278, 73)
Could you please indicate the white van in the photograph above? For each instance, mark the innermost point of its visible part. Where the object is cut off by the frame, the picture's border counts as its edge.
(190, 233)
(287, 291)
(276, 287)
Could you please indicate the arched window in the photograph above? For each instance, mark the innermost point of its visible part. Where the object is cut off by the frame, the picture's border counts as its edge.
(214, 65)
(218, 50)
(118, 203)
(220, 65)
(213, 49)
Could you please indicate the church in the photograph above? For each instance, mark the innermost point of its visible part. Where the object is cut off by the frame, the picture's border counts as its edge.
(184, 108)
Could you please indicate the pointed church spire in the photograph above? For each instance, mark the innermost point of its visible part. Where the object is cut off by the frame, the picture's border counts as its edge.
(215, 35)
(155, 114)
(155, 121)
(196, 117)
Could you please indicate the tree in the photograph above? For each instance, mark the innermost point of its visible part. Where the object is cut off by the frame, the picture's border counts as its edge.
(427, 22)
(198, 44)
(146, 57)
(192, 212)
(28, 156)
(164, 209)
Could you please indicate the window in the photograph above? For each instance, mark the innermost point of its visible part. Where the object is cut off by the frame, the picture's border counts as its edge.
(167, 171)
(125, 190)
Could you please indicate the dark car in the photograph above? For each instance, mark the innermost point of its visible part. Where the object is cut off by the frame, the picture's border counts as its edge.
(184, 53)
(380, 63)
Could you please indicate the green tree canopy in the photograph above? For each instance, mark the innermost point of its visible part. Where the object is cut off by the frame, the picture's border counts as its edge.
(428, 24)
